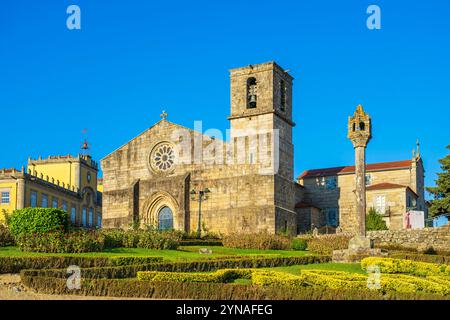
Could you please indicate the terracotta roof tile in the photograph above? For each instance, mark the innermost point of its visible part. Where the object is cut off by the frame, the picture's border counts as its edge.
(351, 169)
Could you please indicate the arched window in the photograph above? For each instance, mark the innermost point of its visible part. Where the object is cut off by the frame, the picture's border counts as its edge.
(83, 217)
(252, 93)
(91, 216)
(354, 126)
(282, 95)
(165, 219)
(99, 220)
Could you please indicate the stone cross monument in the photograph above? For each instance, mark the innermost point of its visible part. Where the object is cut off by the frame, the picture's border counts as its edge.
(360, 133)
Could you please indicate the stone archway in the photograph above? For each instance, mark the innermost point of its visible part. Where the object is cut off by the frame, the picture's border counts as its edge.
(153, 206)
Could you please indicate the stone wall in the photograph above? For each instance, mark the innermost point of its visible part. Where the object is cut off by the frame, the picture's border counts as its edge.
(436, 238)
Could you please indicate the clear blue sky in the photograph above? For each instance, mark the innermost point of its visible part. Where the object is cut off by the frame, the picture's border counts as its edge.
(131, 59)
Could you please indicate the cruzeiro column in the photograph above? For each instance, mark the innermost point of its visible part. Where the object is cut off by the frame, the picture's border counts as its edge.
(359, 132)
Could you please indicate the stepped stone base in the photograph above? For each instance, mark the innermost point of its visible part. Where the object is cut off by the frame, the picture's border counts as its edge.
(359, 247)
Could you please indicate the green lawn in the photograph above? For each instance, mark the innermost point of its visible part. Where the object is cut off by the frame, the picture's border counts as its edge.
(183, 253)
(347, 267)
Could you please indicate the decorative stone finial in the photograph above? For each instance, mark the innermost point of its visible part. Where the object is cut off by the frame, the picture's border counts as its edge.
(359, 128)
(163, 115)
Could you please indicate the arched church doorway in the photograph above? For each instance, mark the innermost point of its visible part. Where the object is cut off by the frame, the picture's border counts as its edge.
(165, 219)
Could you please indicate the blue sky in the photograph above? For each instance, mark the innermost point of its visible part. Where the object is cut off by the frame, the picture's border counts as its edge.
(132, 59)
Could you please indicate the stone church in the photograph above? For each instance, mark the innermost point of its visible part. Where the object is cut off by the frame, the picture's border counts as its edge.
(171, 176)
(175, 177)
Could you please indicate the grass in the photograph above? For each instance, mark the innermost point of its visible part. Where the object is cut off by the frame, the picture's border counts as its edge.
(183, 253)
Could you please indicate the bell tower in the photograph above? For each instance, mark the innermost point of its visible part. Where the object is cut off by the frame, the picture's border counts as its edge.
(261, 100)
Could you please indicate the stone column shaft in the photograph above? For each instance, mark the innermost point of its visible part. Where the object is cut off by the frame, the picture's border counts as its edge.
(360, 190)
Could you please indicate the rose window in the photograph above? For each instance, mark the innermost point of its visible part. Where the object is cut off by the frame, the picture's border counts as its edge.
(162, 157)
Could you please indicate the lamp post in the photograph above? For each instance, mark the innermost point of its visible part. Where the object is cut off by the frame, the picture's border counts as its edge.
(199, 196)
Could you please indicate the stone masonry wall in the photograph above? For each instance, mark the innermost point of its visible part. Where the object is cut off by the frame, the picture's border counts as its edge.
(436, 238)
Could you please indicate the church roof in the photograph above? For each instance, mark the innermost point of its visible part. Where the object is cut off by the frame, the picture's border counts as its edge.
(404, 164)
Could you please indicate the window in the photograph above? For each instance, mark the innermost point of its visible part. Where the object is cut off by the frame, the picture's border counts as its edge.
(73, 215)
(330, 183)
(91, 216)
(282, 96)
(55, 203)
(368, 179)
(320, 181)
(44, 201)
(5, 197)
(165, 219)
(380, 204)
(89, 177)
(332, 217)
(33, 199)
(252, 93)
(83, 217)
(99, 220)
(64, 206)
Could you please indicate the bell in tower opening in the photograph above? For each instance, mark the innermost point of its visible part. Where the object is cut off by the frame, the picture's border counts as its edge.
(252, 89)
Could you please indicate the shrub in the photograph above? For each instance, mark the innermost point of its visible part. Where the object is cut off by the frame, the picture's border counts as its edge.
(113, 237)
(421, 257)
(204, 265)
(389, 265)
(38, 221)
(374, 221)
(326, 244)
(59, 242)
(299, 244)
(260, 241)
(6, 238)
(214, 291)
(148, 239)
(220, 276)
(16, 264)
(167, 240)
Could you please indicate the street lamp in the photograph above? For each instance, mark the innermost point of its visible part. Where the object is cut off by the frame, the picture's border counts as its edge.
(199, 196)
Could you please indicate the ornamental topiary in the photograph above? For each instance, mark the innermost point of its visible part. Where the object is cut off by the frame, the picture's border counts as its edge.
(38, 221)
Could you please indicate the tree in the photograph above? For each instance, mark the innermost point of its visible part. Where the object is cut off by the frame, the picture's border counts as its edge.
(441, 193)
(374, 221)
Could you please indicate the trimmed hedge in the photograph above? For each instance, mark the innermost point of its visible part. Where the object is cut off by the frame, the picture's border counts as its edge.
(183, 266)
(220, 276)
(260, 241)
(16, 264)
(326, 244)
(389, 265)
(79, 241)
(147, 239)
(206, 243)
(421, 257)
(209, 291)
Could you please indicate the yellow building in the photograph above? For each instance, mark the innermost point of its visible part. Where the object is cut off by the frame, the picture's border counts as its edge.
(65, 182)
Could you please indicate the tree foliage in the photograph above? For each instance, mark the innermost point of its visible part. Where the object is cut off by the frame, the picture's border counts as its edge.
(374, 221)
(441, 193)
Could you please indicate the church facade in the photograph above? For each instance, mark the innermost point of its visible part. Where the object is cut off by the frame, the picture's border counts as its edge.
(174, 177)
